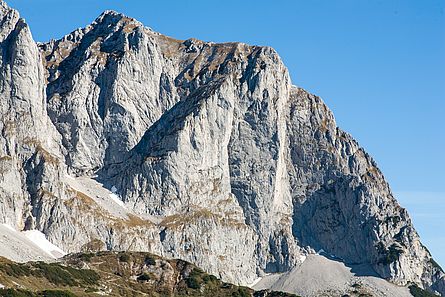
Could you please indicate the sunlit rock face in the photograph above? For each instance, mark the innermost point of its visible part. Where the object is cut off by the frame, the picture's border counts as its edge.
(117, 137)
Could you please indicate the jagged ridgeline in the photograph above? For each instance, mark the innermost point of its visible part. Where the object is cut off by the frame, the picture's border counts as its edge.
(116, 137)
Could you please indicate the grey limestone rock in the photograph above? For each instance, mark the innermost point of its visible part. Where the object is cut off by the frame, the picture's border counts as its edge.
(117, 137)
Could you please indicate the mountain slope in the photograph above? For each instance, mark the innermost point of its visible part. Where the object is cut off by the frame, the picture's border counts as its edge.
(130, 140)
(116, 274)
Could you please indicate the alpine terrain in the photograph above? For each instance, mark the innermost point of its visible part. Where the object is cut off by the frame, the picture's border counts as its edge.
(118, 138)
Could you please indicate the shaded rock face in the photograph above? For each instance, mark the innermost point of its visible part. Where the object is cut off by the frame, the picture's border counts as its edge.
(218, 159)
(29, 144)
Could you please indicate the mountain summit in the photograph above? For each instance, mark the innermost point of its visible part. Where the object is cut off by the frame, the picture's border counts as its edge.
(116, 137)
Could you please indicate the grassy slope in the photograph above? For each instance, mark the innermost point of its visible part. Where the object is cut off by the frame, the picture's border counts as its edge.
(115, 274)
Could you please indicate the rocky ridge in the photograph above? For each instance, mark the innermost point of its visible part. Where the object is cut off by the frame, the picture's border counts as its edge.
(200, 151)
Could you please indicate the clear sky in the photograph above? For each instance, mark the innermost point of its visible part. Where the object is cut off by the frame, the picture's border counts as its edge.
(378, 64)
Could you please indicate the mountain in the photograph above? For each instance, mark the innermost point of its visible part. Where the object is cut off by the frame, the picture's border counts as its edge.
(116, 137)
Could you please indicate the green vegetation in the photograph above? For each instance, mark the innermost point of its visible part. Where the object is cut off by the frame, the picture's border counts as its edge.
(56, 293)
(24, 293)
(145, 277)
(65, 275)
(241, 292)
(193, 283)
(276, 294)
(55, 273)
(389, 255)
(150, 260)
(208, 278)
(148, 275)
(124, 258)
(418, 292)
(15, 293)
(196, 278)
(86, 257)
(16, 270)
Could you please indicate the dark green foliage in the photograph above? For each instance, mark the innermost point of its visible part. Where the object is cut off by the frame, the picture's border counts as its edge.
(389, 255)
(418, 292)
(16, 293)
(267, 293)
(56, 293)
(144, 277)
(194, 279)
(393, 254)
(86, 257)
(150, 260)
(16, 270)
(53, 272)
(102, 253)
(208, 278)
(46, 293)
(280, 294)
(85, 276)
(124, 258)
(68, 276)
(192, 283)
(241, 292)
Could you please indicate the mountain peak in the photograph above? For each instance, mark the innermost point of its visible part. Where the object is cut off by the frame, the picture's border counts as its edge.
(114, 19)
(3, 5)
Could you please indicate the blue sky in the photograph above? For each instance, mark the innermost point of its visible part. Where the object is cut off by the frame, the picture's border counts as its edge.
(378, 64)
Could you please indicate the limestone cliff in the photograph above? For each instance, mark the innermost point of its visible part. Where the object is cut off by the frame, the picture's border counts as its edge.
(117, 137)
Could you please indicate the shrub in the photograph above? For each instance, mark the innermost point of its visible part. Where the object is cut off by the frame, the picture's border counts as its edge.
(57, 293)
(24, 293)
(194, 280)
(55, 274)
(15, 293)
(241, 292)
(150, 260)
(86, 257)
(124, 258)
(389, 255)
(278, 294)
(16, 270)
(418, 292)
(85, 276)
(208, 278)
(144, 277)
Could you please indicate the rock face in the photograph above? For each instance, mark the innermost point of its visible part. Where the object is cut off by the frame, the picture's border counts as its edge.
(117, 137)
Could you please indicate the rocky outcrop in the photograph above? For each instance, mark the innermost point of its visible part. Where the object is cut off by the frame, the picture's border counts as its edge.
(117, 137)
(342, 203)
(29, 144)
